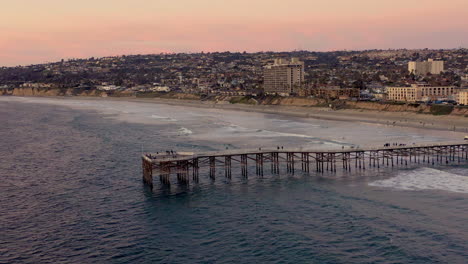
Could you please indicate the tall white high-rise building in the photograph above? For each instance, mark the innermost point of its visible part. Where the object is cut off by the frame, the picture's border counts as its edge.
(284, 77)
(425, 67)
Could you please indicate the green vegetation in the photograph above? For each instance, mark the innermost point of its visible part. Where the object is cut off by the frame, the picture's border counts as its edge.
(441, 109)
(119, 94)
(167, 95)
(243, 100)
(395, 103)
(415, 105)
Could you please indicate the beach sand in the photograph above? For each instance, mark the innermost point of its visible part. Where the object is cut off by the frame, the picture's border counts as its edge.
(235, 125)
(404, 119)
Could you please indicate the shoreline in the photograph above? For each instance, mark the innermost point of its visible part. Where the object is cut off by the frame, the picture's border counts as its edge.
(402, 119)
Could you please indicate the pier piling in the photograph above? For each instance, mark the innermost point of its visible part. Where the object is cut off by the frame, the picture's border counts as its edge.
(181, 164)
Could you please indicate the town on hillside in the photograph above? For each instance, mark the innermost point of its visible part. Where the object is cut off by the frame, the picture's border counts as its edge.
(424, 76)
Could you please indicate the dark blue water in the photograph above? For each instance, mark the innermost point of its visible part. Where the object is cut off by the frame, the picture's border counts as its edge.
(71, 192)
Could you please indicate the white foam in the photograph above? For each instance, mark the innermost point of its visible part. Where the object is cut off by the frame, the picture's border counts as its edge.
(264, 132)
(185, 131)
(427, 179)
(235, 127)
(163, 118)
(283, 134)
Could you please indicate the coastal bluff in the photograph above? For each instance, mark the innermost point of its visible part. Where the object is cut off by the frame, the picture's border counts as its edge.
(460, 111)
(49, 92)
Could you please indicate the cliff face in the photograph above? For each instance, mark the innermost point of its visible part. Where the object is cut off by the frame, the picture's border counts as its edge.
(460, 111)
(33, 92)
(415, 108)
(389, 107)
(293, 101)
(365, 105)
(284, 101)
(50, 92)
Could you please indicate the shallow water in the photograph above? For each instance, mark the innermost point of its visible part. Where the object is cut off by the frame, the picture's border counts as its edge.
(71, 191)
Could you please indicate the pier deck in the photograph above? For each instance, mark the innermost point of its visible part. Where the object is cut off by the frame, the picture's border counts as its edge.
(184, 164)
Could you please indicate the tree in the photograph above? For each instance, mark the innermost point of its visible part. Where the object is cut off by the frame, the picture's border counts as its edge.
(359, 84)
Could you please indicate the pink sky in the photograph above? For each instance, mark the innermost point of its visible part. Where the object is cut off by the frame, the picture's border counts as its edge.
(33, 31)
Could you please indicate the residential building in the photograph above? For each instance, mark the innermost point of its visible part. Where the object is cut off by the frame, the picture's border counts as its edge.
(284, 77)
(108, 87)
(334, 92)
(160, 89)
(462, 97)
(425, 67)
(420, 93)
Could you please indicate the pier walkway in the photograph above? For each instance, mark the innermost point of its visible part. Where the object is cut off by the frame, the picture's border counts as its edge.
(186, 164)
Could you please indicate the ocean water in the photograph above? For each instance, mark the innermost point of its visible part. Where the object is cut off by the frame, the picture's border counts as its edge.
(71, 191)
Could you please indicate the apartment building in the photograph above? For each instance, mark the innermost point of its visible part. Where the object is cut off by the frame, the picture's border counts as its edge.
(420, 93)
(284, 77)
(425, 67)
(462, 97)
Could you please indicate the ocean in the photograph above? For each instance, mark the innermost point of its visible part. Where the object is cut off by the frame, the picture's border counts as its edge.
(71, 191)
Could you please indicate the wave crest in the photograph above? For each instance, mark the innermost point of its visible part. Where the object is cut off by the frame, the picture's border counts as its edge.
(426, 179)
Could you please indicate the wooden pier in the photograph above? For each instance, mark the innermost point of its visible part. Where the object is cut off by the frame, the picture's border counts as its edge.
(187, 165)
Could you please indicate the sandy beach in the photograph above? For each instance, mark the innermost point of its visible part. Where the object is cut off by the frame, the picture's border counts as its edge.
(404, 119)
(234, 125)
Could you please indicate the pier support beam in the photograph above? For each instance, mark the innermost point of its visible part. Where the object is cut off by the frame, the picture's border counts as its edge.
(244, 165)
(212, 168)
(227, 167)
(147, 172)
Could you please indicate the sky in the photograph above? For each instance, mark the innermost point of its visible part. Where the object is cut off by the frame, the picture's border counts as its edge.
(38, 31)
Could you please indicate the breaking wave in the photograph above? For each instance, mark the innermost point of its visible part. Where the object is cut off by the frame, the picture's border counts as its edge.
(426, 179)
(233, 128)
(184, 131)
(163, 118)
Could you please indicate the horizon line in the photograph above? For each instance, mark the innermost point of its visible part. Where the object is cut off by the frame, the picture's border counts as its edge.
(228, 51)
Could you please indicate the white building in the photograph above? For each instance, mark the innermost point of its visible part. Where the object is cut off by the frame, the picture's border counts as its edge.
(160, 89)
(284, 77)
(420, 93)
(462, 97)
(425, 67)
(108, 87)
(36, 85)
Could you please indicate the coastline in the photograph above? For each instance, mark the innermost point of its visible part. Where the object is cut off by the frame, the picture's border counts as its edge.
(403, 119)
